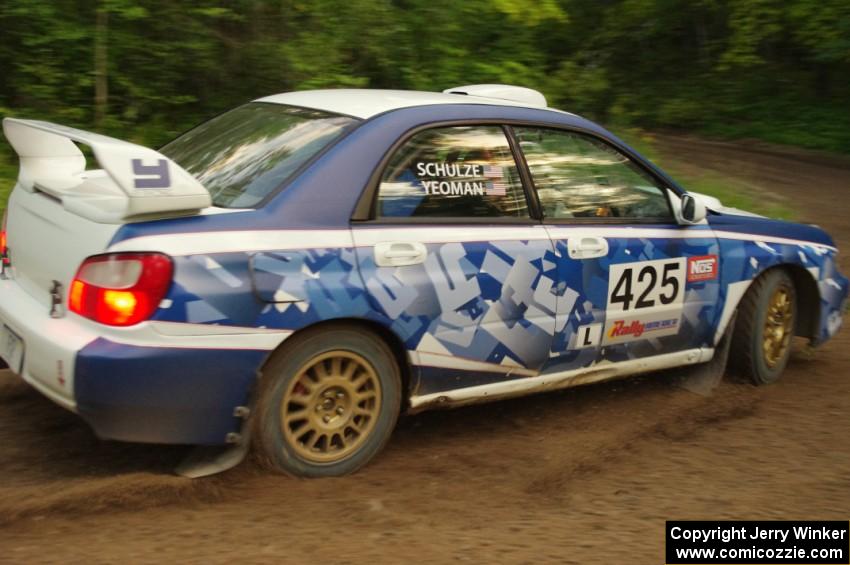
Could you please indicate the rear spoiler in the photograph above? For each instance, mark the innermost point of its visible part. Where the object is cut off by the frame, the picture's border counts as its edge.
(134, 182)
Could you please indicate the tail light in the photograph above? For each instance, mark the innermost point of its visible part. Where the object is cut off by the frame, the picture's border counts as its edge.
(120, 289)
(4, 256)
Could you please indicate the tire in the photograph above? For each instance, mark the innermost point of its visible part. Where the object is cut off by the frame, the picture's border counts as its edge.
(327, 403)
(765, 328)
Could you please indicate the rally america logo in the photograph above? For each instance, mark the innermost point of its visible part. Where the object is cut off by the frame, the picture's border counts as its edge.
(702, 268)
(637, 328)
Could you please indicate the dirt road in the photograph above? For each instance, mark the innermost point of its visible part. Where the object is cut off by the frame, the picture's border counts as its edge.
(581, 476)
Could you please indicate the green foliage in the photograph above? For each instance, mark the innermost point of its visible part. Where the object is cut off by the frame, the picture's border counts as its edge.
(8, 173)
(778, 70)
(754, 24)
(772, 69)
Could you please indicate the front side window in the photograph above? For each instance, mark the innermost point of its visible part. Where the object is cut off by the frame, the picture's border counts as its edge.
(453, 172)
(245, 154)
(577, 176)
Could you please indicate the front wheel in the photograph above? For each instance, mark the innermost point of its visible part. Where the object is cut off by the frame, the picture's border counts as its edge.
(328, 403)
(767, 318)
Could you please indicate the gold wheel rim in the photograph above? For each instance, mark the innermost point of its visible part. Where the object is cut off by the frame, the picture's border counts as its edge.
(331, 406)
(777, 326)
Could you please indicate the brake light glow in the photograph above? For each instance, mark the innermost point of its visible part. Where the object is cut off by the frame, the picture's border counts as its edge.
(120, 289)
(3, 254)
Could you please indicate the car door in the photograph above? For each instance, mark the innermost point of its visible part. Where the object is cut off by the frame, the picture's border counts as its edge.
(647, 285)
(453, 262)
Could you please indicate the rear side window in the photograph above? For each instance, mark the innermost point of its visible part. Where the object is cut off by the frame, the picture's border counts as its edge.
(577, 176)
(453, 172)
(242, 156)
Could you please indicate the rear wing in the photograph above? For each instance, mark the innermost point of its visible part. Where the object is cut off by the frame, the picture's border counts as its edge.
(133, 182)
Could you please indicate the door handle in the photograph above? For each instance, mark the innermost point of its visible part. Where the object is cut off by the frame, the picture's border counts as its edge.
(587, 247)
(400, 253)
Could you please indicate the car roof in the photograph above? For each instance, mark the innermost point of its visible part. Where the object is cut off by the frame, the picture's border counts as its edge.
(366, 103)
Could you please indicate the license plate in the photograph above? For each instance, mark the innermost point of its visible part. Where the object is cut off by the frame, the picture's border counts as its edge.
(11, 349)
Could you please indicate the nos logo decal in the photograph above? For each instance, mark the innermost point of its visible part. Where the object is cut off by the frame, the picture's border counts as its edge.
(702, 268)
(151, 176)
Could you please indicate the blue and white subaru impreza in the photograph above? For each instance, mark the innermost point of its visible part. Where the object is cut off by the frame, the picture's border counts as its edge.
(299, 270)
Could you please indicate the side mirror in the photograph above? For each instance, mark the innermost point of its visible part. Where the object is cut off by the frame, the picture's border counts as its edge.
(693, 209)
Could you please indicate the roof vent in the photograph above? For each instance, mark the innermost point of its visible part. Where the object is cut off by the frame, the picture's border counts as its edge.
(518, 94)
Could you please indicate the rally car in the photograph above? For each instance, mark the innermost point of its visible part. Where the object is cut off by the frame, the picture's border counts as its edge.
(299, 270)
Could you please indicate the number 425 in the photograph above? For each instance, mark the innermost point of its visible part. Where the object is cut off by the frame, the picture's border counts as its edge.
(648, 279)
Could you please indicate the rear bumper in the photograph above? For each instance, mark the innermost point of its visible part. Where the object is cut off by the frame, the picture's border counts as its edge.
(163, 395)
(50, 344)
(153, 383)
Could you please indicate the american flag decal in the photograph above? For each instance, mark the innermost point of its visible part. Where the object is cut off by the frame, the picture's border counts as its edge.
(493, 172)
(496, 188)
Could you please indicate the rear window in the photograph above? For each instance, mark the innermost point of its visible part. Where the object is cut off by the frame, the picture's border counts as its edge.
(242, 156)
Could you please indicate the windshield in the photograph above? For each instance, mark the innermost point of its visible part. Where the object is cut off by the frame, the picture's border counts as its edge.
(242, 156)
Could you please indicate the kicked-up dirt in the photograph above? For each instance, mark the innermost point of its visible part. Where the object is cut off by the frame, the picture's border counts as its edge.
(587, 475)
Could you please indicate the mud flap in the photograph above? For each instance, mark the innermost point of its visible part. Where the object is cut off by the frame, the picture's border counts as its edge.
(702, 379)
(206, 460)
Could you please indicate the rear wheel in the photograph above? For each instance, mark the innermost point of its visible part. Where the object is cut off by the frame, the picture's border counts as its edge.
(767, 317)
(328, 403)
